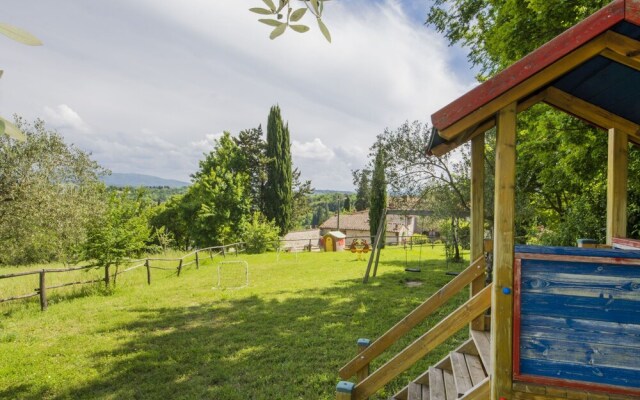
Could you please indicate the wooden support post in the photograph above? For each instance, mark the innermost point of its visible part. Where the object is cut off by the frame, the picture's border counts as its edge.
(309, 245)
(224, 252)
(106, 276)
(43, 291)
(236, 249)
(617, 172)
(375, 251)
(146, 264)
(375, 265)
(477, 217)
(503, 252)
(197, 261)
(180, 267)
(363, 373)
(344, 390)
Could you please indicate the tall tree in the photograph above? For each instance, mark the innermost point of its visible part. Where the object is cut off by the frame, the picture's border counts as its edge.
(378, 195)
(363, 192)
(301, 206)
(278, 190)
(253, 148)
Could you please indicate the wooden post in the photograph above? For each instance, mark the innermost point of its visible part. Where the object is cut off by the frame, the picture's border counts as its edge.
(617, 172)
(43, 291)
(236, 249)
(197, 261)
(375, 247)
(309, 245)
(180, 267)
(363, 373)
(106, 275)
(224, 253)
(344, 390)
(503, 252)
(146, 264)
(477, 216)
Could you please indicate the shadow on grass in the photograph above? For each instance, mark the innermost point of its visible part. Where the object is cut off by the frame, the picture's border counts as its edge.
(254, 347)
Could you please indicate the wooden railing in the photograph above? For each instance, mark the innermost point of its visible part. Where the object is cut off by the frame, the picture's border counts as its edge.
(368, 384)
(424, 310)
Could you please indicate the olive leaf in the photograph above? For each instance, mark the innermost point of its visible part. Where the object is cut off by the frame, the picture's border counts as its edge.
(12, 130)
(262, 11)
(19, 35)
(314, 4)
(324, 30)
(271, 22)
(299, 28)
(278, 31)
(297, 14)
(270, 4)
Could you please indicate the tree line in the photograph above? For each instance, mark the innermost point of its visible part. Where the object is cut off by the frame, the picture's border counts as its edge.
(53, 206)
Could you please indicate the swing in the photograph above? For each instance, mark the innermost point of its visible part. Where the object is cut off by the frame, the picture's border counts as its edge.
(406, 262)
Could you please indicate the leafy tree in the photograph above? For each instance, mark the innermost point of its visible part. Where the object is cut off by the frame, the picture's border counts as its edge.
(347, 203)
(278, 191)
(286, 16)
(48, 192)
(363, 192)
(217, 204)
(259, 234)
(301, 206)
(378, 196)
(253, 148)
(121, 231)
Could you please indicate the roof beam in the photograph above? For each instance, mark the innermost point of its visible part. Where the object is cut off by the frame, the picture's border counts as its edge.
(485, 126)
(619, 58)
(591, 113)
(537, 81)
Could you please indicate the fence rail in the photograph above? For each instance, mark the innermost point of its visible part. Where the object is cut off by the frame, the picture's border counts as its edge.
(41, 291)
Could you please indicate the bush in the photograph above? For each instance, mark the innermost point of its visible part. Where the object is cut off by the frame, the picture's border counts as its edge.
(259, 234)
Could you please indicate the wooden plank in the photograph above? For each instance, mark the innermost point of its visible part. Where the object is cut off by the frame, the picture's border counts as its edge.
(480, 391)
(589, 112)
(436, 384)
(527, 388)
(476, 372)
(533, 65)
(425, 392)
(449, 385)
(424, 344)
(414, 318)
(614, 287)
(415, 391)
(482, 340)
(503, 255)
(617, 171)
(568, 329)
(585, 259)
(621, 59)
(461, 374)
(477, 217)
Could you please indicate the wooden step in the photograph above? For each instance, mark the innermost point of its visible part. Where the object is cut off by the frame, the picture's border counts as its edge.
(483, 344)
(461, 375)
(436, 384)
(476, 372)
(417, 391)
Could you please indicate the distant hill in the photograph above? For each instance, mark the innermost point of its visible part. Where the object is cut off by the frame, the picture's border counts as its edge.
(137, 180)
(329, 191)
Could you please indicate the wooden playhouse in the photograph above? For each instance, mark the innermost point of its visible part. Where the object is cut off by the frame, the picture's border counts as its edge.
(564, 322)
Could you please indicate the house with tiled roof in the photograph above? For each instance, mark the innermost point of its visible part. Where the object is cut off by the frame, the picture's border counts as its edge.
(356, 225)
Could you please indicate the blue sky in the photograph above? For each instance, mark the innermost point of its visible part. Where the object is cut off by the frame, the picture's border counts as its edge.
(148, 86)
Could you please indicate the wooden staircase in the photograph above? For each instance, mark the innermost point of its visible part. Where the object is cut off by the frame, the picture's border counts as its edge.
(462, 374)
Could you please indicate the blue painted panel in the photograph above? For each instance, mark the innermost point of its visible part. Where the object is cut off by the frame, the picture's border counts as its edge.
(581, 330)
(580, 321)
(578, 251)
(579, 372)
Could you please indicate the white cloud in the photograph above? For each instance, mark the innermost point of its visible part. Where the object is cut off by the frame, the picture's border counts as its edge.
(63, 116)
(313, 150)
(152, 80)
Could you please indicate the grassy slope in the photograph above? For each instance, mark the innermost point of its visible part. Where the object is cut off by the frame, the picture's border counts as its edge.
(284, 337)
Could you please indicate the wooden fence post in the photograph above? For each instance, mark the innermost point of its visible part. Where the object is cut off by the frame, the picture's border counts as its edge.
(224, 253)
(43, 291)
(236, 248)
(197, 261)
(106, 275)
(146, 264)
(363, 373)
(180, 267)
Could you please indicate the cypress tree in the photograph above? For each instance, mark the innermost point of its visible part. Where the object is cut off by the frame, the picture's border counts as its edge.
(378, 196)
(278, 191)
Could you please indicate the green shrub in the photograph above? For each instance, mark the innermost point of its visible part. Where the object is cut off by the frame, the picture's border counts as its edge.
(260, 234)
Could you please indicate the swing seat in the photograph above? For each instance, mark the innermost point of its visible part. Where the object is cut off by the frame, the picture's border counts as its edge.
(413, 269)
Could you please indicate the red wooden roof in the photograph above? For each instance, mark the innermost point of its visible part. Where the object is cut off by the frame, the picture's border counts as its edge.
(538, 60)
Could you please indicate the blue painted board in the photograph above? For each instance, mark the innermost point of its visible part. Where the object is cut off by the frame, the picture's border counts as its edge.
(580, 321)
(578, 251)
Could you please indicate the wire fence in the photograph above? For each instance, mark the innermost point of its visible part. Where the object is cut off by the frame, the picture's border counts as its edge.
(109, 274)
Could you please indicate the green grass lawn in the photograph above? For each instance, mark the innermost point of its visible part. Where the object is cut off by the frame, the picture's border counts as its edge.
(283, 337)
